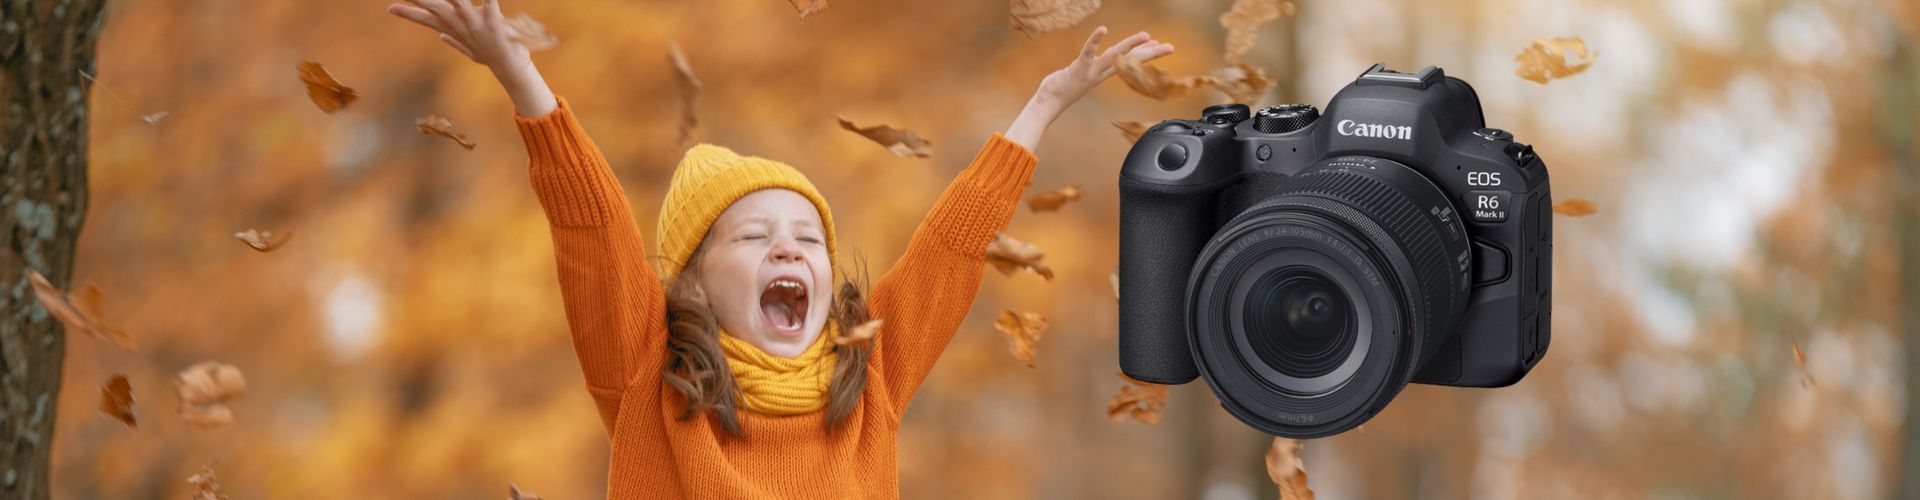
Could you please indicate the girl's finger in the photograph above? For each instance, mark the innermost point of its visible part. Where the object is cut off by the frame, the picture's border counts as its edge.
(1093, 42)
(418, 16)
(1152, 51)
(470, 12)
(458, 46)
(444, 12)
(1126, 45)
(493, 11)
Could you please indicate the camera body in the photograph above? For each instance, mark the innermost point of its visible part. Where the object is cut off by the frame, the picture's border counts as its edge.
(1310, 266)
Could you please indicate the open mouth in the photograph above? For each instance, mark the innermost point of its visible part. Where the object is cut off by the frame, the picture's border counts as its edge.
(784, 304)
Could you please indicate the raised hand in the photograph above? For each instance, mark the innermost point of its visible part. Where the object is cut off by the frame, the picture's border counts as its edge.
(482, 33)
(1060, 89)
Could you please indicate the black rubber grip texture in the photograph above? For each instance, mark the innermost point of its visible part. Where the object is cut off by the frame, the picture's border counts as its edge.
(1162, 229)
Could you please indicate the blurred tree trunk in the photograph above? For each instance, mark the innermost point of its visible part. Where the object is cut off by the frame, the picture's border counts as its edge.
(1902, 82)
(44, 47)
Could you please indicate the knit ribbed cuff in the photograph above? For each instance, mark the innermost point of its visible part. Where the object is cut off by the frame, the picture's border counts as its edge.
(984, 197)
(570, 176)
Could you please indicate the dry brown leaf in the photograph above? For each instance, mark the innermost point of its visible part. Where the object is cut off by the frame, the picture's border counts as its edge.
(1022, 330)
(80, 311)
(204, 485)
(1243, 22)
(689, 88)
(1286, 469)
(205, 389)
(264, 241)
(329, 94)
(440, 126)
(1241, 82)
(1137, 400)
(860, 334)
(515, 493)
(902, 142)
(1575, 207)
(1547, 59)
(1033, 17)
(1800, 358)
(531, 33)
(1132, 130)
(1051, 202)
(1009, 255)
(116, 400)
(808, 7)
(1151, 82)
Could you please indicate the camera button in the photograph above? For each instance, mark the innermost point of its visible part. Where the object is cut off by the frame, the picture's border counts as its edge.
(1172, 157)
(1494, 134)
(1487, 206)
(1490, 263)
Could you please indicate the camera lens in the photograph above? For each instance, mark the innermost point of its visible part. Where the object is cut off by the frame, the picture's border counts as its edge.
(1316, 304)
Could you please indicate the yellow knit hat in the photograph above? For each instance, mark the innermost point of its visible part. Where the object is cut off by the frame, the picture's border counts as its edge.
(709, 179)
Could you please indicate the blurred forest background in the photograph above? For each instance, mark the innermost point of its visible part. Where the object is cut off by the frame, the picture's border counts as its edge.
(1752, 162)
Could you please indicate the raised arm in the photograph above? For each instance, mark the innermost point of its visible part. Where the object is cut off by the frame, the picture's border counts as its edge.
(926, 295)
(614, 304)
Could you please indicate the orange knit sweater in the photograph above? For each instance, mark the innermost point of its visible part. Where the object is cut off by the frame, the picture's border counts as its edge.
(616, 310)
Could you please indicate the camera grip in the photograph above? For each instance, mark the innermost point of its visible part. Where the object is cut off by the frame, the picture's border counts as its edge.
(1162, 230)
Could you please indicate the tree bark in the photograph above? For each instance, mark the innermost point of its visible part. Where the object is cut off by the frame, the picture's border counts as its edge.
(1902, 129)
(44, 47)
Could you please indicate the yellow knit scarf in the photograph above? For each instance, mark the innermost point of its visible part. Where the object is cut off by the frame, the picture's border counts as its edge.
(772, 385)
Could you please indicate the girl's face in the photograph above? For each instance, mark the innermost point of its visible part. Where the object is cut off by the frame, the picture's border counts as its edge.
(765, 269)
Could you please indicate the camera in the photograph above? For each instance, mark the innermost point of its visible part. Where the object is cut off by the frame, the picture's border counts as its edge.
(1309, 266)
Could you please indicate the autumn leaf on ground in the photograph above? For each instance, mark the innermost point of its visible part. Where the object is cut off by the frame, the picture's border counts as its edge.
(204, 485)
(1575, 207)
(515, 493)
(1548, 59)
(1286, 469)
(1137, 400)
(1243, 22)
(1800, 358)
(264, 241)
(808, 7)
(903, 143)
(1132, 130)
(1051, 202)
(1241, 82)
(860, 334)
(329, 94)
(1033, 17)
(116, 400)
(440, 126)
(1022, 331)
(1009, 255)
(1151, 82)
(204, 391)
(689, 88)
(531, 33)
(80, 311)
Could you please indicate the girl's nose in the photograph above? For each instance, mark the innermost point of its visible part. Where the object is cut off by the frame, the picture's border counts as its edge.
(786, 250)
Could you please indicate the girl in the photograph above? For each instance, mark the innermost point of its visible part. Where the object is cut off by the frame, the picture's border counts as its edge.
(717, 375)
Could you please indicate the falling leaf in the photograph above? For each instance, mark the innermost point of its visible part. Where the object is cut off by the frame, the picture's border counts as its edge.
(329, 94)
(1547, 59)
(860, 334)
(1241, 83)
(440, 126)
(689, 88)
(204, 485)
(1022, 331)
(1243, 22)
(78, 311)
(808, 7)
(264, 241)
(1286, 469)
(515, 493)
(1151, 82)
(1132, 130)
(1800, 358)
(153, 118)
(1033, 17)
(1575, 207)
(204, 391)
(903, 143)
(1051, 202)
(116, 400)
(1009, 255)
(531, 33)
(1137, 400)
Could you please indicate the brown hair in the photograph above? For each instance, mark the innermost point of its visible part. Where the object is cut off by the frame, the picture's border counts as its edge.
(697, 368)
